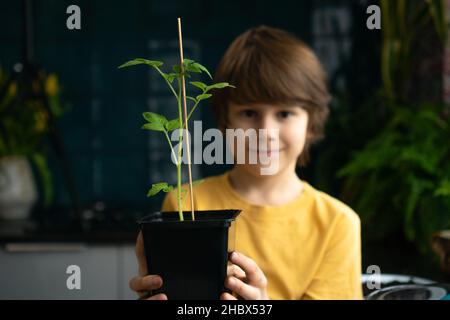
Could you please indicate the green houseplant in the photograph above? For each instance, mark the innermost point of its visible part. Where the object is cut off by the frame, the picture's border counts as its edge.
(405, 175)
(399, 181)
(24, 124)
(159, 123)
(175, 242)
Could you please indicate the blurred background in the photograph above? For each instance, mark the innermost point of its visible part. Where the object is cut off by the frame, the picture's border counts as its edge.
(75, 165)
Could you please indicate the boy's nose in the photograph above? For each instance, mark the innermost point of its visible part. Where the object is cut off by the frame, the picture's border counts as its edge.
(267, 122)
(270, 128)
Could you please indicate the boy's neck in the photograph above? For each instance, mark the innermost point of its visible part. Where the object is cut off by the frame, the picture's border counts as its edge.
(277, 189)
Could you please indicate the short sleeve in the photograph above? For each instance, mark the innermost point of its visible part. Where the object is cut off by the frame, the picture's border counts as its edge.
(339, 274)
(169, 202)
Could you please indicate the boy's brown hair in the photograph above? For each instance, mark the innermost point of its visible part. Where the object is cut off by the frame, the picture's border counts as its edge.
(269, 65)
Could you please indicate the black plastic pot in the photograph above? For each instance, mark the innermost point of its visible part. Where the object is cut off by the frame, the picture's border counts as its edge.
(190, 256)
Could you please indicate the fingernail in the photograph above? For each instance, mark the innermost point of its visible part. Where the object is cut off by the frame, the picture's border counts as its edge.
(154, 281)
(231, 281)
(234, 255)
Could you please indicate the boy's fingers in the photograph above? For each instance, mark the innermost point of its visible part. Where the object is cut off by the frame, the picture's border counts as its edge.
(253, 273)
(227, 296)
(236, 271)
(150, 282)
(241, 288)
(159, 296)
(140, 254)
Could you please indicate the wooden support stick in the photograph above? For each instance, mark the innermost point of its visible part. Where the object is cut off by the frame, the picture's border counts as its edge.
(188, 149)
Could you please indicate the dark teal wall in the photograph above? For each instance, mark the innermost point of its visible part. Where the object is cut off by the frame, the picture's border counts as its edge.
(114, 160)
(109, 152)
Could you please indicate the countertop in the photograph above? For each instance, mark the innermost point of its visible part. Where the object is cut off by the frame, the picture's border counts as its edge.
(91, 227)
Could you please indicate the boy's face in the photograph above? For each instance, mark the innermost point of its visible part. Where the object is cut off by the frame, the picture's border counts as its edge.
(290, 121)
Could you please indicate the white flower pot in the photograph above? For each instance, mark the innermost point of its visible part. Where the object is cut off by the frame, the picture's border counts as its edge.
(18, 192)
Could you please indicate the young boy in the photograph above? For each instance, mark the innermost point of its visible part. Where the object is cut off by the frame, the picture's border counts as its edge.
(292, 241)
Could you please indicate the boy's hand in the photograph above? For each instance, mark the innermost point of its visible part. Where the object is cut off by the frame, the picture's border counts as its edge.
(245, 279)
(143, 283)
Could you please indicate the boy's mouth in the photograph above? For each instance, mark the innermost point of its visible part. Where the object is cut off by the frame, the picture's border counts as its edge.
(266, 152)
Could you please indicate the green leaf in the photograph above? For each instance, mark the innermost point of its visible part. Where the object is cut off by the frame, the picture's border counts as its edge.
(443, 190)
(173, 124)
(156, 121)
(176, 69)
(199, 85)
(204, 69)
(219, 85)
(203, 96)
(154, 117)
(191, 98)
(437, 12)
(170, 76)
(152, 63)
(192, 66)
(157, 187)
(417, 188)
(154, 127)
(46, 179)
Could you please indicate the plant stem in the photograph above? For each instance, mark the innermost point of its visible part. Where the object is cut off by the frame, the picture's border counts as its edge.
(193, 108)
(170, 85)
(177, 157)
(171, 146)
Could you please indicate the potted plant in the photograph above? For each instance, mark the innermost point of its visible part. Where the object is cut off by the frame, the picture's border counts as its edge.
(24, 124)
(404, 161)
(175, 242)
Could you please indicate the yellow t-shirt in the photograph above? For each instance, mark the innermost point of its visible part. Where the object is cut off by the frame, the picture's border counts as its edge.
(309, 248)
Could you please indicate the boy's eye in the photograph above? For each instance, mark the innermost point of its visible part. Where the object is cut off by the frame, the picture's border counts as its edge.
(285, 114)
(248, 113)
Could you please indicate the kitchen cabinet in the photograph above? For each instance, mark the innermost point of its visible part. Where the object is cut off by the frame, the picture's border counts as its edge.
(38, 270)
